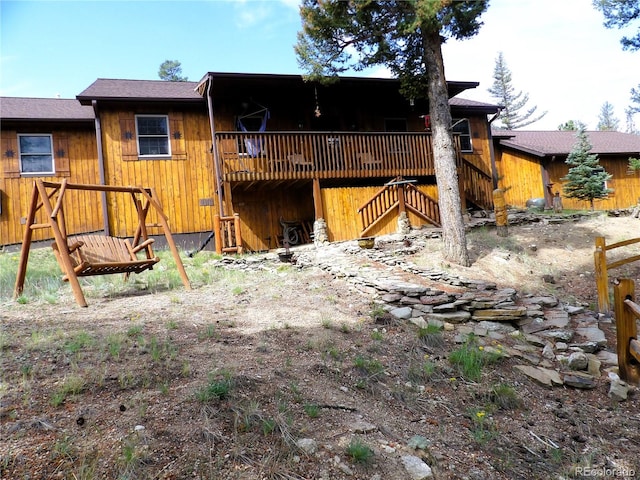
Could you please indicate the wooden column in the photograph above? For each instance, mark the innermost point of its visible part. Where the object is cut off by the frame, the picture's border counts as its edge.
(500, 209)
(317, 199)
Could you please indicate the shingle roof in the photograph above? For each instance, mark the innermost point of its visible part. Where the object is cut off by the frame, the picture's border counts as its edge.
(149, 90)
(21, 108)
(561, 142)
(473, 104)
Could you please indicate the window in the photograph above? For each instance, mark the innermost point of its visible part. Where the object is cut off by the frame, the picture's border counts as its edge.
(461, 126)
(153, 135)
(36, 154)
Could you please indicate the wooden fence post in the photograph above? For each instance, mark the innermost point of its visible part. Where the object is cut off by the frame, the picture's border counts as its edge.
(626, 331)
(602, 278)
(500, 208)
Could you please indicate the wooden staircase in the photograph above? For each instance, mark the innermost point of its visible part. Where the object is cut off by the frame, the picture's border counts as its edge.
(401, 195)
(476, 185)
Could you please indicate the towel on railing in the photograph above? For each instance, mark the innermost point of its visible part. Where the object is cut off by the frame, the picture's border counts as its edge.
(254, 145)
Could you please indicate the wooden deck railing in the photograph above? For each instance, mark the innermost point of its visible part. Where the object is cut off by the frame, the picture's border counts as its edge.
(385, 200)
(422, 205)
(478, 186)
(227, 234)
(628, 346)
(397, 195)
(602, 268)
(255, 156)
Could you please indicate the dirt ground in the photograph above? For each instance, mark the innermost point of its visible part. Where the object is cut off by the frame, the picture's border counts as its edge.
(223, 381)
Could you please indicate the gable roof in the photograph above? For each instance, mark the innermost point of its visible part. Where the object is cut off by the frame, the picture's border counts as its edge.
(141, 90)
(473, 105)
(561, 142)
(44, 109)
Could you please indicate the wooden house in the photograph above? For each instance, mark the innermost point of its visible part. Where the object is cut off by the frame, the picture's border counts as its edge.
(53, 139)
(272, 149)
(531, 164)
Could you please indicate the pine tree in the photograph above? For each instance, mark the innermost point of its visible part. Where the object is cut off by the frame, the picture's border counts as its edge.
(572, 125)
(586, 179)
(607, 119)
(405, 36)
(512, 103)
(620, 14)
(171, 71)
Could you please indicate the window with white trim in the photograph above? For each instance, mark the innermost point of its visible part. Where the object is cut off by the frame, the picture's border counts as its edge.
(462, 127)
(36, 154)
(153, 135)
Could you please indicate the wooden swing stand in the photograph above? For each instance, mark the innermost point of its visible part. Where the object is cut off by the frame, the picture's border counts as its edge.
(94, 254)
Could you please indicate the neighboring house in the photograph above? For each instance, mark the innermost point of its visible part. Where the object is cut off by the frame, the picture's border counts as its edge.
(531, 164)
(269, 148)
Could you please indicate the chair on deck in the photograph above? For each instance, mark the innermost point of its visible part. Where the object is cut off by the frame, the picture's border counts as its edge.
(299, 162)
(367, 160)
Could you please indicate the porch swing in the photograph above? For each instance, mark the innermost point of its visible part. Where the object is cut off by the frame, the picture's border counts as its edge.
(94, 254)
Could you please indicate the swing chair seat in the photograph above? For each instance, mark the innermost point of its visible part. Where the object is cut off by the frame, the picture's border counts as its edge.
(104, 255)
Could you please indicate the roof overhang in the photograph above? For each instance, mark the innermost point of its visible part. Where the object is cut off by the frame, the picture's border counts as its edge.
(222, 78)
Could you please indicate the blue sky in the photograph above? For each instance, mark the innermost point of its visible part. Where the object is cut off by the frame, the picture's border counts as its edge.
(558, 51)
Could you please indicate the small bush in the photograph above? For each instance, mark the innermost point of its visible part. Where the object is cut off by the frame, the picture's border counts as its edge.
(358, 451)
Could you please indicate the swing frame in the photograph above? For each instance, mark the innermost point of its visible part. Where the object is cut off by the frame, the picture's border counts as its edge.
(94, 254)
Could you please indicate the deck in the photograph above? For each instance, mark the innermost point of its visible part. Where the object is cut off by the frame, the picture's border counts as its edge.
(254, 156)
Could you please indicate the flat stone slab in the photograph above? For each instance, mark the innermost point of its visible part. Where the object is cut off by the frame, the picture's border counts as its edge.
(579, 380)
(592, 334)
(460, 316)
(555, 319)
(403, 313)
(500, 314)
(544, 376)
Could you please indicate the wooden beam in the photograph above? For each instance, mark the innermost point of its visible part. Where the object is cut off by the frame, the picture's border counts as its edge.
(317, 200)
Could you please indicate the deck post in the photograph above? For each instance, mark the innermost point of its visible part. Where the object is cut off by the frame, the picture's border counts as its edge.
(218, 235)
(317, 199)
(236, 228)
(500, 208)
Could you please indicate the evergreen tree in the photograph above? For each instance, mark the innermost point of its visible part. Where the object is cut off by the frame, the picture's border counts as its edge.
(572, 125)
(406, 36)
(635, 100)
(620, 13)
(586, 179)
(171, 71)
(607, 119)
(512, 103)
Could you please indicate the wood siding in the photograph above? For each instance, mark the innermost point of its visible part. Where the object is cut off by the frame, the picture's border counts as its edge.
(520, 175)
(79, 164)
(625, 184)
(261, 210)
(341, 211)
(184, 183)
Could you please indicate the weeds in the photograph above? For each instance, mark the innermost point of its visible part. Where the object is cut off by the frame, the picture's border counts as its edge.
(471, 357)
(431, 336)
(358, 451)
(72, 385)
(218, 388)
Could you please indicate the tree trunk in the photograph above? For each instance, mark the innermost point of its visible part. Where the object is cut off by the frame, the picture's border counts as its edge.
(453, 233)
